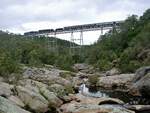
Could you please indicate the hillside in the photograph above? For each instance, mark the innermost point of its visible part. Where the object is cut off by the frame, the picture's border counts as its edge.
(32, 51)
(127, 50)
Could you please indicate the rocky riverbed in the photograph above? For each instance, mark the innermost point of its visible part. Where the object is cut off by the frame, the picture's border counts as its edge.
(51, 90)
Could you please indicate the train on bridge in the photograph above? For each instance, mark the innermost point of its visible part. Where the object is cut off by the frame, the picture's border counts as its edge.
(76, 28)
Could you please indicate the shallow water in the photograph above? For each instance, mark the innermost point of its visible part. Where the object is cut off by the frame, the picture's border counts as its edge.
(127, 98)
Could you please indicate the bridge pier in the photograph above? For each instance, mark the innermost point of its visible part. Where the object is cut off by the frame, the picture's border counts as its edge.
(114, 30)
(56, 46)
(81, 38)
(101, 30)
(72, 45)
(76, 44)
(52, 43)
(81, 43)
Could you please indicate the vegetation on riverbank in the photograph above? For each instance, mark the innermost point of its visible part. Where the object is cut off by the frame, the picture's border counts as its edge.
(17, 49)
(127, 49)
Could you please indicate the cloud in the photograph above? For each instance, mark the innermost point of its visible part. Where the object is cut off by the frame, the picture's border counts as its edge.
(24, 15)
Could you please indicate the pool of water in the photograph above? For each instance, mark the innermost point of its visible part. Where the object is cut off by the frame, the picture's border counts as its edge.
(124, 96)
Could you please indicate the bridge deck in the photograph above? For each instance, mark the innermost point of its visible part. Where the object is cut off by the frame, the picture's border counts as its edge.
(76, 28)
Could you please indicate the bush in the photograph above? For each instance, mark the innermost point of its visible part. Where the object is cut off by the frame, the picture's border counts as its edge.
(64, 62)
(8, 65)
(93, 79)
(131, 66)
(104, 65)
(34, 58)
(69, 89)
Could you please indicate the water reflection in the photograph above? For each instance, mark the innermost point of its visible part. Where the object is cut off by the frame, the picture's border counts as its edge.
(85, 91)
(129, 99)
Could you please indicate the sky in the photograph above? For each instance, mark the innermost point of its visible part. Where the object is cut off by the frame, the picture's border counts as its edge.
(19, 16)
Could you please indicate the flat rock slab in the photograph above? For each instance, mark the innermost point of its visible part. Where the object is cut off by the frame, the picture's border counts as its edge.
(122, 81)
(138, 107)
(98, 101)
(75, 107)
(6, 106)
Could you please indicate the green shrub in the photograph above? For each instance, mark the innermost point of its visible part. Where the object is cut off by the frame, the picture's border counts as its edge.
(93, 79)
(104, 64)
(132, 66)
(8, 65)
(69, 89)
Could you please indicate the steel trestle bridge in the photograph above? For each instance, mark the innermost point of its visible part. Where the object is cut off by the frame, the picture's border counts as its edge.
(76, 28)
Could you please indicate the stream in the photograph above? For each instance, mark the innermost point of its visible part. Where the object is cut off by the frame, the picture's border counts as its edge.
(127, 98)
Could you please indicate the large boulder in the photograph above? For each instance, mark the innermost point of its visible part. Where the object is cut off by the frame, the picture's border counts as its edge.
(144, 54)
(2, 79)
(31, 85)
(58, 89)
(139, 108)
(85, 68)
(32, 99)
(42, 89)
(6, 106)
(52, 99)
(50, 79)
(16, 101)
(59, 80)
(5, 89)
(122, 81)
(141, 72)
(82, 75)
(113, 71)
(33, 71)
(142, 86)
(47, 76)
(75, 107)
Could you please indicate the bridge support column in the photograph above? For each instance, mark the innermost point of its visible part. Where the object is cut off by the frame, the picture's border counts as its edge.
(81, 38)
(55, 43)
(76, 44)
(52, 43)
(101, 33)
(49, 42)
(101, 30)
(114, 28)
(72, 43)
(81, 45)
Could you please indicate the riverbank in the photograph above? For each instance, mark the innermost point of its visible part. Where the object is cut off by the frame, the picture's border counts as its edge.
(51, 90)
